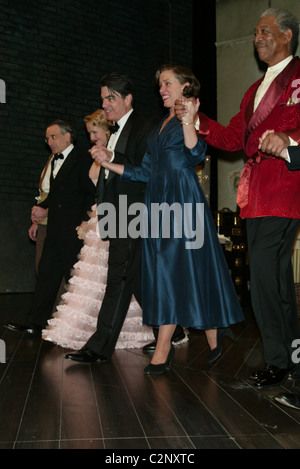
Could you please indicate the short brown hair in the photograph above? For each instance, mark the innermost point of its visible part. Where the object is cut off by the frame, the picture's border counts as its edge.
(183, 75)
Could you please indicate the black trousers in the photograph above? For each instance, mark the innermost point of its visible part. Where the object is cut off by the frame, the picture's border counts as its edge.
(270, 242)
(57, 259)
(123, 281)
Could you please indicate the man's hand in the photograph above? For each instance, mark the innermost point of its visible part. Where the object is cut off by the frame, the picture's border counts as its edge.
(274, 143)
(181, 109)
(32, 232)
(100, 154)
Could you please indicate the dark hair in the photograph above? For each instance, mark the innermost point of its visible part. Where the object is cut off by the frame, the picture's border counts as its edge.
(285, 20)
(64, 128)
(117, 83)
(183, 75)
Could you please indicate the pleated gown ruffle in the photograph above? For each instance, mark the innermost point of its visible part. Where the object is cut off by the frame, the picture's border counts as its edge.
(75, 319)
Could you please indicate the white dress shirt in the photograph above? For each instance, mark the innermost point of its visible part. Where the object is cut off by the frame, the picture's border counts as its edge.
(45, 187)
(270, 75)
(112, 142)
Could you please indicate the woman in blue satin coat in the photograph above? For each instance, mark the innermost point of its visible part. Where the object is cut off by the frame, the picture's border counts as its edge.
(186, 280)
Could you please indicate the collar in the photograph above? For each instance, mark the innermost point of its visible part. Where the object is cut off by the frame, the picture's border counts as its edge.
(67, 150)
(123, 120)
(280, 66)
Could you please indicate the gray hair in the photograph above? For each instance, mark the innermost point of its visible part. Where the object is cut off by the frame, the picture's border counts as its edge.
(285, 20)
(64, 128)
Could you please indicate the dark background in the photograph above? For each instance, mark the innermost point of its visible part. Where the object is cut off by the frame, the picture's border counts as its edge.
(52, 56)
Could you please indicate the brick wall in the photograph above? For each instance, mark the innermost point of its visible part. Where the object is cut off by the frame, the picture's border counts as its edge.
(52, 54)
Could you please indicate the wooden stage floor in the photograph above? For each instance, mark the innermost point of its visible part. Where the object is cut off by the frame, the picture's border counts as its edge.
(47, 402)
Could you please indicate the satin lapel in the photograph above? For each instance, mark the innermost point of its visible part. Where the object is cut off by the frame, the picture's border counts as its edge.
(122, 140)
(44, 171)
(271, 97)
(64, 170)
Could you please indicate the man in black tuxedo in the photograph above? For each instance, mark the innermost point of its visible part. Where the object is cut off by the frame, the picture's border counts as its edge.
(126, 145)
(71, 195)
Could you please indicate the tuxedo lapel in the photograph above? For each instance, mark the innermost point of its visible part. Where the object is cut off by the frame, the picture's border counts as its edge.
(122, 140)
(270, 98)
(66, 167)
(44, 172)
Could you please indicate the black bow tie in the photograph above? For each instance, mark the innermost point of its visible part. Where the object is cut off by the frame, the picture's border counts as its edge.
(58, 156)
(114, 128)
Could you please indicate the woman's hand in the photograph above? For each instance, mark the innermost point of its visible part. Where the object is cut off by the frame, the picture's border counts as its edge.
(186, 109)
(191, 106)
(38, 214)
(82, 229)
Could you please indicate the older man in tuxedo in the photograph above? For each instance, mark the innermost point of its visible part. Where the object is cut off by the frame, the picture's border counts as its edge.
(268, 193)
(71, 194)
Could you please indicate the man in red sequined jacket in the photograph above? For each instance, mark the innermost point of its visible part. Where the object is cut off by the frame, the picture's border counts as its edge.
(268, 193)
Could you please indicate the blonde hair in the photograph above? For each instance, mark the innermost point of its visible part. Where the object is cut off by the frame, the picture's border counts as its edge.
(98, 119)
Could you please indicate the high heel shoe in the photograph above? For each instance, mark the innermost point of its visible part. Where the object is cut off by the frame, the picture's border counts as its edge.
(161, 367)
(215, 353)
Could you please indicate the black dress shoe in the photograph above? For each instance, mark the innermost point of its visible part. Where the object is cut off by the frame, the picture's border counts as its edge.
(23, 327)
(86, 356)
(178, 339)
(259, 374)
(161, 368)
(274, 376)
(290, 400)
(215, 353)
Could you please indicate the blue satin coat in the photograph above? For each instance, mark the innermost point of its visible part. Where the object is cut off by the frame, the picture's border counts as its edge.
(186, 280)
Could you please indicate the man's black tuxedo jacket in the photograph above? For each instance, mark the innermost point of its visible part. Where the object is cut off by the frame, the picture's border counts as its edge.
(294, 153)
(71, 196)
(130, 148)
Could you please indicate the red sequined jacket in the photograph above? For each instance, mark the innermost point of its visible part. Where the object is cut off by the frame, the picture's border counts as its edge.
(266, 187)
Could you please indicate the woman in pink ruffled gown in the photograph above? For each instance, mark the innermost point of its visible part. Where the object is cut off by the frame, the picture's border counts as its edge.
(75, 318)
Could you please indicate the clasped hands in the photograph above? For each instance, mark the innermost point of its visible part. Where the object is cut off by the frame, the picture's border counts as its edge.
(38, 214)
(101, 154)
(274, 143)
(271, 142)
(186, 110)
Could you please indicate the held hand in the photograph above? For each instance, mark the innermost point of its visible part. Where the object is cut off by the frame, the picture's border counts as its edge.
(264, 135)
(180, 109)
(82, 229)
(100, 154)
(192, 106)
(38, 214)
(274, 143)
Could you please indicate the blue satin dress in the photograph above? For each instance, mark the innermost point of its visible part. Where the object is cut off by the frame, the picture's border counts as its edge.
(185, 280)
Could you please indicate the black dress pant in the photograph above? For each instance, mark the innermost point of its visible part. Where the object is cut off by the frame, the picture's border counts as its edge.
(57, 260)
(123, 281)
(270, 242)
